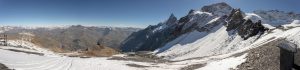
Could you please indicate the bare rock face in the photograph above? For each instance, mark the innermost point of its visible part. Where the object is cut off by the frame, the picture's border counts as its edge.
(151, 37)
(235, 19)
(171, 21)
(250, 29)
(245, 28)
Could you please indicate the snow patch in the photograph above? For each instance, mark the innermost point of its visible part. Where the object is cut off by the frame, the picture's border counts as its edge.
(213, 20)
(295, 23)
(200, 12)
(30, 46)
(252, 16)
(161, 27)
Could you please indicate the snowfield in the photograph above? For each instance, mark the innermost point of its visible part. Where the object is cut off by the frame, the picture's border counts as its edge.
(23, 61)
(53, 61)
(220, 43)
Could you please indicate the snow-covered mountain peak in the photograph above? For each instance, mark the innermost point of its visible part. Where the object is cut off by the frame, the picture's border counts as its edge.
(218, 9)
(158, 35)
(214, 30)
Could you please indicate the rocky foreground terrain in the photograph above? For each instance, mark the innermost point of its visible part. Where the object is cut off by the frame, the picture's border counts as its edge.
(266, 57)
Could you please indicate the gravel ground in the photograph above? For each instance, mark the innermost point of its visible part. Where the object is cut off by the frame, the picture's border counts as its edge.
(262, 58)
(141, 58)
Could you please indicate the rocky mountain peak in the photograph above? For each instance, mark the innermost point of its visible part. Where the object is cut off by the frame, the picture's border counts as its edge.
(172, 16)
(245, 27)
(191, 11)
(172, 19)
(235, 19)
(218, 9)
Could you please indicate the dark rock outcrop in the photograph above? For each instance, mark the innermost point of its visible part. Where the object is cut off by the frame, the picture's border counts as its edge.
(235, 19)
(245, 28)
(151, 37)
(171, 21)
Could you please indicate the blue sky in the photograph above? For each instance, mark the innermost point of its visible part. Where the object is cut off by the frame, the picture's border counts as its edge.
(121, 13)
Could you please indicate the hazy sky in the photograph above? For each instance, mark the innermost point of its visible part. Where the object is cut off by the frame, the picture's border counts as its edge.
(134, 13)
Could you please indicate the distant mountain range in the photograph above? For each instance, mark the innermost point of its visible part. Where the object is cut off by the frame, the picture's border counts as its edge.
(71, 38)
